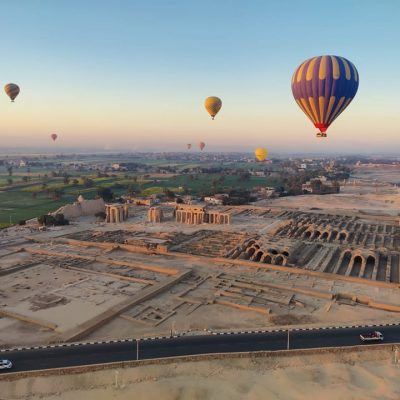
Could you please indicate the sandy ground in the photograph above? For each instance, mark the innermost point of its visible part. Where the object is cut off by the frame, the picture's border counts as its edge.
(381, 199)
(388, 173)
(327, 377)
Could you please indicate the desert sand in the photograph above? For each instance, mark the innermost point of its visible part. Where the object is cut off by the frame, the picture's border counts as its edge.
(329, 377)
(377, 199)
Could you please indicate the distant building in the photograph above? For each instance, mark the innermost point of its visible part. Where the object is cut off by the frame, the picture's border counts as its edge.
(139, 201)
(320, 185)
(258, 173)
(213, 200)
(266, 191)
(118, 167)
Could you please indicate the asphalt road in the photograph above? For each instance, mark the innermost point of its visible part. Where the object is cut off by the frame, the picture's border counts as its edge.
(85, 354)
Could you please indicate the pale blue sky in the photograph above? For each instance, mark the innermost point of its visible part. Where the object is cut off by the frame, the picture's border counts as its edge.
(134, 74)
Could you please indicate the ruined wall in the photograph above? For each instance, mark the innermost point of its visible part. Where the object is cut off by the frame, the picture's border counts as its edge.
(81, 208)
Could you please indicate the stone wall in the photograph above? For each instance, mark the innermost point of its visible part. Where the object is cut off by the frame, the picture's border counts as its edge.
(81, 208)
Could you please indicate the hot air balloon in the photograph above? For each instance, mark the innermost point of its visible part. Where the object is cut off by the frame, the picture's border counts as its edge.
(323, 87)
(54, 136)
(202, 145)
(261, 154)
(189, 146)
(12, 90)
(213, 105)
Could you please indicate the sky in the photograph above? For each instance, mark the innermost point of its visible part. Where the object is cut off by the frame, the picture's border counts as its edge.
(133, 75)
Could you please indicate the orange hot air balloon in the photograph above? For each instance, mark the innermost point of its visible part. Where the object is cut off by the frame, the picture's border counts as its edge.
(213, 104)
(54, 136)
(202, 145)
(12, 91)
(261, 154)
(189, 146)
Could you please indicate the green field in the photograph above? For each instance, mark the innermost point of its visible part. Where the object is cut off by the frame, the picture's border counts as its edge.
(22, 200)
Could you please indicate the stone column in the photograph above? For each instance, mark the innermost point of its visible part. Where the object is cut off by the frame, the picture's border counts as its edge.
(375, 270)
(339, 263)
(363, 265)
(388, 268)
(350, 266)
(107, 214)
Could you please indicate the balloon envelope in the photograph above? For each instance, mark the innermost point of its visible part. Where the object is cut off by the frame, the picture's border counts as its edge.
(261, 154)
(12, 90)
(213, 104)
(54, 136)
(189, 146)
(202, 145)
(323, 87)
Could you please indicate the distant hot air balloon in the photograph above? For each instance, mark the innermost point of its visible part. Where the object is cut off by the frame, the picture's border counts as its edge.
(213, 105)
(261, 154)
(189, 146)
(202, 145)
(323, 87)
(54, 136)
(12, 90)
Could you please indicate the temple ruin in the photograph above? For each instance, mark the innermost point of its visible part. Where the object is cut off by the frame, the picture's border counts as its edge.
(333, 244)
(116, 213)
(188, 214)
(155, 214)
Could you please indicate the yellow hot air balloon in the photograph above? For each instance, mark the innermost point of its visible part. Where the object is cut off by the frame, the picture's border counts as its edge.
(261, 154)
(213, 105)
(12, 90)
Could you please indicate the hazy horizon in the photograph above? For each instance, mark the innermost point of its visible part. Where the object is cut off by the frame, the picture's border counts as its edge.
(68, 151)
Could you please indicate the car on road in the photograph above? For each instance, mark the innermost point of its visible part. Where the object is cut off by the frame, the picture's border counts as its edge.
(5, 364)
(374, 336)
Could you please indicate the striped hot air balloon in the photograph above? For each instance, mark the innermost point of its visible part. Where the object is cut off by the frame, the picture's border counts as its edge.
(12, 90)
(323, 87)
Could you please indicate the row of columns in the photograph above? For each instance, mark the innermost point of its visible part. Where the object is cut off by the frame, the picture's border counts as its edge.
(155, 214)
(218, 218)
(116, 213)
(198, 217)
(189, 217)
